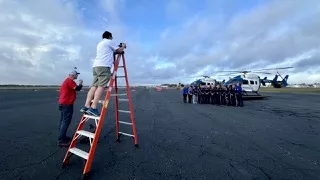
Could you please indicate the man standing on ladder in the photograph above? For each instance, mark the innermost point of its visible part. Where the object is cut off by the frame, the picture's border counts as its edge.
(101, 72)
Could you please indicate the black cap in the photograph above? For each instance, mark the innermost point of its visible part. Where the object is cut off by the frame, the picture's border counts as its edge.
(106, 35)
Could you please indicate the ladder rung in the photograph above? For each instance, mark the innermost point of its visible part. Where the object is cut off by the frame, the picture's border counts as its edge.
(122, 122)
(121, 76)
(123, 99)
(79, 152)
(124, 111)
(119, 94)
(86, 133)
(91, 117)
(120, 66)
(126, 134)
(121, 87)
(100, 101)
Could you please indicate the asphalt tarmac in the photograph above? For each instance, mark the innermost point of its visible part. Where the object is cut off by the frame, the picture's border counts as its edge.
(277, 138)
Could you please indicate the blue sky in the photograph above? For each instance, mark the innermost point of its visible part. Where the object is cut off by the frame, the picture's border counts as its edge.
(169, 41)
(151, 17)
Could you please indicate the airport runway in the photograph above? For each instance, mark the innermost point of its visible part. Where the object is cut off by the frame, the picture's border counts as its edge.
(276, 138)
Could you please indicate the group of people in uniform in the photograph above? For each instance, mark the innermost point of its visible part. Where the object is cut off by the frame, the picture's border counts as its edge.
(214, 94)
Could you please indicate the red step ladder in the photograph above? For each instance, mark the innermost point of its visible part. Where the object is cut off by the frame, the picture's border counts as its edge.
(94, 137)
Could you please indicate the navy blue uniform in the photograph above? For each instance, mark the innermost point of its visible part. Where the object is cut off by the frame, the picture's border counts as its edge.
(239, 96)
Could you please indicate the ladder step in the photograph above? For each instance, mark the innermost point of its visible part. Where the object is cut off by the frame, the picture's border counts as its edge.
(123, 99)
(121, 87)
(126, 134)
(122, 122)
(86, 133)
(79, 152)
(119, 94)
(91, 117)
(121, 76)
(100, 101)
(124, 111)
(120, 66)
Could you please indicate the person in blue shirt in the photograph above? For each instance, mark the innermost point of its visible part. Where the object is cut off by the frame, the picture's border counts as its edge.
(238, 90)
(185, 91)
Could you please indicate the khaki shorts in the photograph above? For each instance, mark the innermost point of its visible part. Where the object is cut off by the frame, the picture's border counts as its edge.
(101, 76)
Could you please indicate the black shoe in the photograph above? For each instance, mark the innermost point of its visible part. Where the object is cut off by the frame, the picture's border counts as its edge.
(64, 143)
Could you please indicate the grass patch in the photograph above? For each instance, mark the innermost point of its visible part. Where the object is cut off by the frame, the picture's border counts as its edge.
(290, 90)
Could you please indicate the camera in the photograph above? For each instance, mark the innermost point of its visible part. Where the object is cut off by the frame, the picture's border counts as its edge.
(120, 45)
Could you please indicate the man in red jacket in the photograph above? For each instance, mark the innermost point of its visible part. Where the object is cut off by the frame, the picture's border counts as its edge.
(66, 100)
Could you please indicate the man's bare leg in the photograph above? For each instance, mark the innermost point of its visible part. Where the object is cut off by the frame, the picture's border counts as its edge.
(88, 100)
(90, 96)
(97, 95)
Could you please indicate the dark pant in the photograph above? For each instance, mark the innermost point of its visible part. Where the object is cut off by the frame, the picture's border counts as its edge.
(189, 98)
(185, 97)
(218, 99)
(239, 99)
(66, 116)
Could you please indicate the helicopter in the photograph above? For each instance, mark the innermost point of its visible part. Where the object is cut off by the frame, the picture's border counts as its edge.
(244, 79)
(274, 82)
(206, 80)
(251, 82)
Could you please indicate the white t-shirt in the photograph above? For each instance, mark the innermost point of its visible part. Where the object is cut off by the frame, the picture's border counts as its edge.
(105, 50)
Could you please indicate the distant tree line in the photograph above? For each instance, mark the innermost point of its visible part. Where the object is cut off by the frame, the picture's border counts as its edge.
(169, 85)
(24, 85)
(35, 86)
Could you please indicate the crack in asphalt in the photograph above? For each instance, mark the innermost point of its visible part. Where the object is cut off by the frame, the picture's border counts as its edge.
(60, 174)
(34, 163)
(231, 165)
(298, 144)
(259, 168)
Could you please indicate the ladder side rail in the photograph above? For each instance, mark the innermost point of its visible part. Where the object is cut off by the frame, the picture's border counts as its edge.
(73, 142)
(116, 100)
(101, 121)
(130, 101)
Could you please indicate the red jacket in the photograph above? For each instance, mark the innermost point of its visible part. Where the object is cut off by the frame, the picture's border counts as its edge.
(67, 92)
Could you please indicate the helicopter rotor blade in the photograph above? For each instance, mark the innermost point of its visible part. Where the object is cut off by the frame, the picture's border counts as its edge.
(234, 71)
(275, 68)
(261, 72)
(228, 74)
(243, 71)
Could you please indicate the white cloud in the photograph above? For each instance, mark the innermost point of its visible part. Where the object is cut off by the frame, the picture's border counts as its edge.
(269, 35)
(38, 46)
(176, 10)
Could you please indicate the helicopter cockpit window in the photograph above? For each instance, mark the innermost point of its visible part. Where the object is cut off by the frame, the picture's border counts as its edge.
(256, 82)
(245, 82)
(251, 82)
